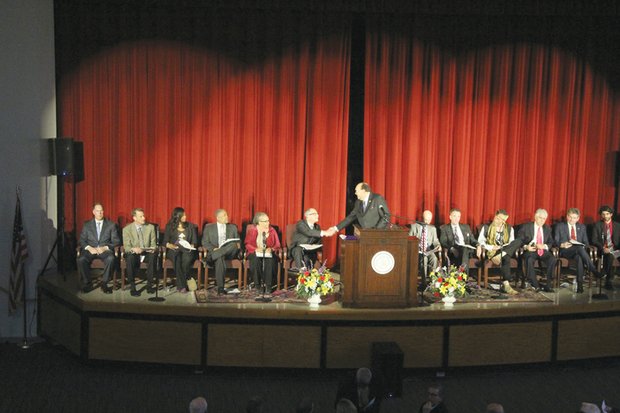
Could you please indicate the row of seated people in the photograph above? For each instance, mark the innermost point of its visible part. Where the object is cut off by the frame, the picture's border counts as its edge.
(531, 244)
(181, 249)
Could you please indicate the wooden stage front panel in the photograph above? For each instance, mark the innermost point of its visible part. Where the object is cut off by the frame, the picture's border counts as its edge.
(119, 327)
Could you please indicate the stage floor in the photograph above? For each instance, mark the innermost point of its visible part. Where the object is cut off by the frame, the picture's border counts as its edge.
(117, 326)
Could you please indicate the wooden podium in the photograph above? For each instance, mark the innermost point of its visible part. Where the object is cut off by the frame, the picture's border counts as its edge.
(379, 269)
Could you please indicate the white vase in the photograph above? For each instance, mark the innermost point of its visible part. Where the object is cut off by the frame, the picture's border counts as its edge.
(314, 300)
(449, 300)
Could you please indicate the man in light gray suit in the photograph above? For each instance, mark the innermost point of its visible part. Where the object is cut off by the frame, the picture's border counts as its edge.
(428, 244)
(98, 239)
(139, 240)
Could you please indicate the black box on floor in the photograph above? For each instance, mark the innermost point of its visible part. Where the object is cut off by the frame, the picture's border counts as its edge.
(387, 360)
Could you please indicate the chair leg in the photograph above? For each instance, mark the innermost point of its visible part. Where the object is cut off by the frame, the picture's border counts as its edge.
(486, 277)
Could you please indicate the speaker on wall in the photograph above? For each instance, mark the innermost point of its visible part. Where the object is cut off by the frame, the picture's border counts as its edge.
(66, 157)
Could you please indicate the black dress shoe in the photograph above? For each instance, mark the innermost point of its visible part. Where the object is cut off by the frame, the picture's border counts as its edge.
(135, 293)
(597, 274)
(105, 289)
(87, 288)
(150, 289)
(579, 288)
(609, 286)
(548, 289)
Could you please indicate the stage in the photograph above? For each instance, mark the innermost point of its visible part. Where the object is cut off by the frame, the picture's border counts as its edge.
(95, 326)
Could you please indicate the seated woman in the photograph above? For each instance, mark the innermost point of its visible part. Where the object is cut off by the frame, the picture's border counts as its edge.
(178, 232)
(261, 244)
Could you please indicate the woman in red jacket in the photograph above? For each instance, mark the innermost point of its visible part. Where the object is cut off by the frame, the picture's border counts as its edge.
(262, 244)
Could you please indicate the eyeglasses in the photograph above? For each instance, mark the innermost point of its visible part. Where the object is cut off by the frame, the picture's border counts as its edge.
(266, 220)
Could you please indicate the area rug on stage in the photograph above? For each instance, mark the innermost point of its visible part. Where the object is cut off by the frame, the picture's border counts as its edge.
(482, 295)
(277, 297)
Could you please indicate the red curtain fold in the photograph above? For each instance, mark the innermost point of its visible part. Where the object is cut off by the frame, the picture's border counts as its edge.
(518, 126)
(167, 124)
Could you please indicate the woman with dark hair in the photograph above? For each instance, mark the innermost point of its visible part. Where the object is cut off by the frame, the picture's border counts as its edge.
(262, 244)
(181, 238)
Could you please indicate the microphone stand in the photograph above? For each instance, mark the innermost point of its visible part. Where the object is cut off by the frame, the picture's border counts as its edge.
(157, 298)
(500, 295)
(601, 295)
(263, 286)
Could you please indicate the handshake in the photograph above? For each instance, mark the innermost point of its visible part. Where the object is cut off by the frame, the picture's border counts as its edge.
(329, 232)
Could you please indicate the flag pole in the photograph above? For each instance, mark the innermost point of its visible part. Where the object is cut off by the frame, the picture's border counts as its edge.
(25, 345)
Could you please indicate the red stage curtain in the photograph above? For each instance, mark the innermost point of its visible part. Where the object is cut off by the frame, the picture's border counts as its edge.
(168, 124)
(510, 125)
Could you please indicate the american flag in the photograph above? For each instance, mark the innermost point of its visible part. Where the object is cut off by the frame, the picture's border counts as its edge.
(19, 253)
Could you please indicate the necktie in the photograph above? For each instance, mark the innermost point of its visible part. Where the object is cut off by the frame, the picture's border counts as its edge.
(423, 239)
(98, 230)
(140, 237)
(573, 236)
(539, 240)
(457, 240)
(221, 235)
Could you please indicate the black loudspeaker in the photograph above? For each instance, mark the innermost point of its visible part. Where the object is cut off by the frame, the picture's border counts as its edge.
(66, 157)
(387, 360)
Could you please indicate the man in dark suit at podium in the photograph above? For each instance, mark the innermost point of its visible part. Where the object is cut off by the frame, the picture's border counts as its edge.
(98, 239)
(370, 210)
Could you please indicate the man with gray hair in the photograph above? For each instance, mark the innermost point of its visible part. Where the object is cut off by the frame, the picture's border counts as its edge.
(428, 244)
(307, 233)
(198, 405)
(495, 408)
(537, 240)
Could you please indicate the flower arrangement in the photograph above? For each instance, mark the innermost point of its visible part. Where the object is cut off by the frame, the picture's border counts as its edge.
(448, 282)
(314, 282)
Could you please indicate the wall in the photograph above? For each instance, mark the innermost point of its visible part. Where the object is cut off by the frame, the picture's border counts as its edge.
(27, 115)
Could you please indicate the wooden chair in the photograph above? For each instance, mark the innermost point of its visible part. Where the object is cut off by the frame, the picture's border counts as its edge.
(287, 260)
(235, 264)
(246, 261)
(564, 265)
(98, 264)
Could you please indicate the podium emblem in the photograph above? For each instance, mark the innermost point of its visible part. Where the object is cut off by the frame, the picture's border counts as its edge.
(382, 262)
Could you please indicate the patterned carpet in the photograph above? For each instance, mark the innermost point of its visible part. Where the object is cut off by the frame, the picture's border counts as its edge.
(481, 295)
(245, 296)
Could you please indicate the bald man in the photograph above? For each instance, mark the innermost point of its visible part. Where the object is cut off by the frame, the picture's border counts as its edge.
(428, 245)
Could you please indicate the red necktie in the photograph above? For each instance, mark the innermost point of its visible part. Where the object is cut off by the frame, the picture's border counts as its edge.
(573, 236)
(424, 239)
(539, 240)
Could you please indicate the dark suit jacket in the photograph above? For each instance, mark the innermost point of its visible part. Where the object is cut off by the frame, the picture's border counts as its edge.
(109, 235)
(562, 234)
(446, 237)
(305, 235)
(598, 234)
(131, 240)
(191, 235)
(210, 238)
(526, 233)
(371, 218)
(273, 241)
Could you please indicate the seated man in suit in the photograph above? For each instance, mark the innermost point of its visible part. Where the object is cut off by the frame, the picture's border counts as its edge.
(140, 244)
(370, 210)
(221, 242)
(307, 231)
(428, 244)
(572, 239)
(536, 236)
(98, 239)
(606, 237)
(454, 238)
(498, 240)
